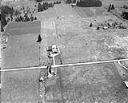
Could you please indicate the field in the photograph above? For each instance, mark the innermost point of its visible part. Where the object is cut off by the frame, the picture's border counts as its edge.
(22, 51)
(69, 29)
(23, 28)
(78, 42)
(99, 83)
(83, 43)
(117, 3)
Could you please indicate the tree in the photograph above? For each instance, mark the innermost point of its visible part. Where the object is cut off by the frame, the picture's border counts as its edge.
(16, 12)
(125, 7)
(109, 8)
(39, 7)
(0, 17)
(38, 0)
(5, 10)
(39, 39)
(112, 8)
(3, 22)
(69, 1)
(125, 15)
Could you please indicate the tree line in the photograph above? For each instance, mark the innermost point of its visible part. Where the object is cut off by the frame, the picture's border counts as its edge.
(46, 5)
(86, 3)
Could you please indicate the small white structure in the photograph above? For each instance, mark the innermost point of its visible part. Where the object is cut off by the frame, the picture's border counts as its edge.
(74, 4)
(52, 52)
(54, 49)
(126, 83)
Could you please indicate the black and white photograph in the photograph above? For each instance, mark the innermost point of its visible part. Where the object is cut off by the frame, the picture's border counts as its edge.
(64, 51)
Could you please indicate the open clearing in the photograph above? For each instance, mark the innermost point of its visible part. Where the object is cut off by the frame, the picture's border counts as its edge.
(83, 43)
(78, 42)
(23, 28)
(22, 51)
(99, 83)
(70, 30)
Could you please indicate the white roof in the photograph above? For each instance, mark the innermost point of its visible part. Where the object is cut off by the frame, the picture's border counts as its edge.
(126, 83)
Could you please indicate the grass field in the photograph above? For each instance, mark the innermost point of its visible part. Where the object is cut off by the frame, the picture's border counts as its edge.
(78, 42)
(89, 12)
(98, 83)
(83, 43)
(20, 87)
(23, 28)
(22, 51)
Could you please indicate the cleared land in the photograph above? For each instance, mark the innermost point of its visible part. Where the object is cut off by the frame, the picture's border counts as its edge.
(65, 27)
(22, 51)
(99, 83)
(83, 43)
(23, 28)
(78, 42)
